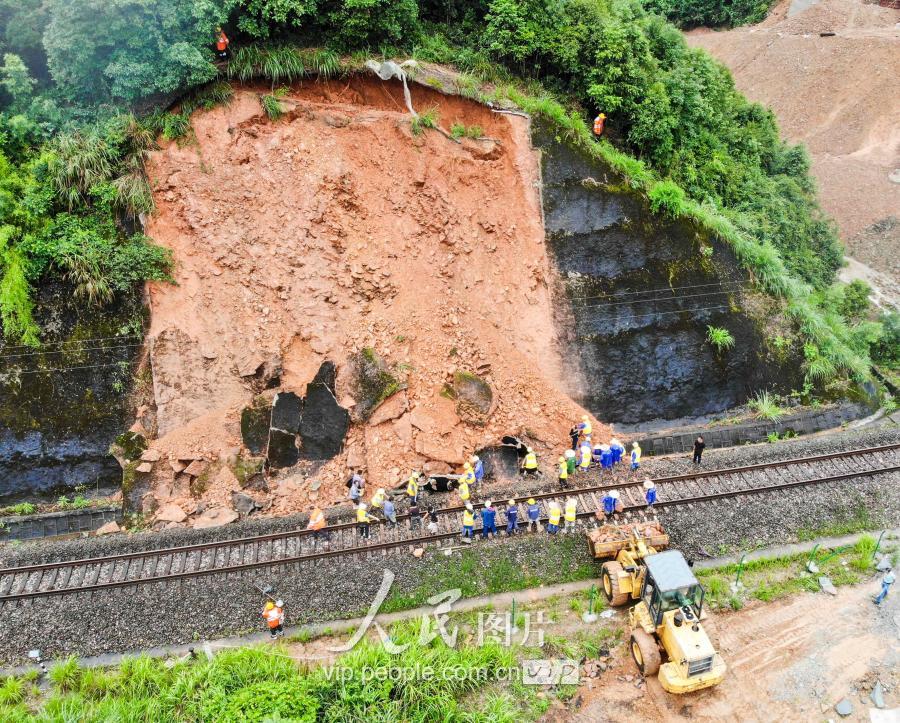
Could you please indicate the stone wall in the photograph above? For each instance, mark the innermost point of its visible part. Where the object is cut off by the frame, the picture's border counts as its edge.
(56, 524)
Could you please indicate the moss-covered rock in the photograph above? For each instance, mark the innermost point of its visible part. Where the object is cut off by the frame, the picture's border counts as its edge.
(474, 397)
(374, 382)
(255, 425)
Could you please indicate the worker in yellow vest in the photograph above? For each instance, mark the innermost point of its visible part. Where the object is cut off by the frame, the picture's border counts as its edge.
(464, 493)
(635, 456)
(554, 513)
(468, 474)
(363, 519)
(584, 429)
(584, 462)
(377, 501)
(563, 472)
(412, 488)
(571, 514)
(530, 463)
(468, 531)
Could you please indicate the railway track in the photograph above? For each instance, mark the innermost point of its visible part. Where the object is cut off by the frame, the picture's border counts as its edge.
(297, 548)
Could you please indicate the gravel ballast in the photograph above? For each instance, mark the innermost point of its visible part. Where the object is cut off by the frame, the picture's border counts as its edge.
(142, 616)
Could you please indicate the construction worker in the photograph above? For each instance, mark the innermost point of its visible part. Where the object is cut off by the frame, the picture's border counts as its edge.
(355, 491)
(468, 532)
(432, 520)
(554, 513)
(610, 503)
(530, 463)
(317, 523)
(699, 446)
(363, 520)
(477, 469)
(390, 512)
(488, 521)
(584, 429)
(650, 492)
(635, 456)
(563, 472)
(599, 123)
(606, 456)
(273, 613)
(571, 460)
(618, 450)
(222, 44)
(887, 580)
(596, 454)
(584, 462)
(574, 434)
(468, 474)
(571, 514)
(534, 515)
(415, 515)
(464, 493)
(377, 501)
(412, 487)
(512, 517)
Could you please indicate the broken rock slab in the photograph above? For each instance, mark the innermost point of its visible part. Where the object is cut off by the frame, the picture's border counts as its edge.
(287, 411)
(255, 421)
(170, 513)
(196, 468)
(109, 528)
(877, 695)
(283, 450)
(243, 504)
(391, 408)
(844, 708)
(144, 467)
(214, 517)
(325, 422)
(151, 455)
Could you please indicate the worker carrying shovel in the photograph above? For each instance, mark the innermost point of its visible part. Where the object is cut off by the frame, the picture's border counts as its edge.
(273, 613)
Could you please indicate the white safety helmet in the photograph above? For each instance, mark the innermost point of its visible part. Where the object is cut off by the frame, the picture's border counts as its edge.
(614, 494)
(279, 603)
(584, 417)
(487, 503)
(362, 506)
(474, 458)
(469, 506)
(614, 442)
(648, 484)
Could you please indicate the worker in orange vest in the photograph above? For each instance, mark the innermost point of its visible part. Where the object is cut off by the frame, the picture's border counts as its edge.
(599, 122)
(222, 44)
(317, 524)
(273, 613)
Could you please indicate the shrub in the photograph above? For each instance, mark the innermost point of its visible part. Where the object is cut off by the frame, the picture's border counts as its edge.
(272, 107)
(428, 119)
(720, 338)
(65, 674)
(765, 406)
(175, 125)
(667, 198)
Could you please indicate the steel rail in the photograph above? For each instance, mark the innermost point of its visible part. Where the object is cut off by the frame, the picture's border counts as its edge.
(297, 559)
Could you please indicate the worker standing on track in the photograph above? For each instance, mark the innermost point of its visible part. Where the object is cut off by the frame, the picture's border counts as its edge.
(432, 520)
(412, 488)
(534, 516)
(635, 456)
(530, 463)
(650, 492)
(618, 450)
(571, 460)
(512, 517)
(363, 520)
(606, 456)
(468, 531)
(377, 501)
(273, 613)
(574, 434)
(610, 503)
(596, 455)
(563, 472)
(584, 462)
(317, 523)
(699, 446)
(488, 521)
(390, 512)
(554, 513)
(477, 470)
(887, 580)
(415, 515)
(222, 43)
(571, 514)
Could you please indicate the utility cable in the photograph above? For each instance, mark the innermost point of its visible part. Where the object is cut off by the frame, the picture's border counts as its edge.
(78, 350)
(661, 290)
(652, 301)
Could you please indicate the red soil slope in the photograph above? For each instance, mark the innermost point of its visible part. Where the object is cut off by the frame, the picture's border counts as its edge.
(333, 229)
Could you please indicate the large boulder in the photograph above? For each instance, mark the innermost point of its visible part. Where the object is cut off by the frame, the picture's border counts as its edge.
(473, 395)
(287, 411)
(374, 382)
(255, 421)
(283, 451)
(325, 422)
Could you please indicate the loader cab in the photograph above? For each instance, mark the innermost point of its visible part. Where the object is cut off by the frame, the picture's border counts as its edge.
(669, 584)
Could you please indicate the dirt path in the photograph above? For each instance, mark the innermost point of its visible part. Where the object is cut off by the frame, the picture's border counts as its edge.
(790, 660)
(840, 95)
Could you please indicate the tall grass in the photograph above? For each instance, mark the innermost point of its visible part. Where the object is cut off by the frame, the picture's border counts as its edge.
(766, 407)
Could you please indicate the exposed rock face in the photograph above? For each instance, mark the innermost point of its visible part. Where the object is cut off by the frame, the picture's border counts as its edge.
(56, 427)
(283, 450)
(642, 291)
(325, 422)
(255, 421)
(287, 411)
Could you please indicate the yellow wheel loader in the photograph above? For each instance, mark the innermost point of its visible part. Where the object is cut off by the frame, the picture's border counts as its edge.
(667, 638)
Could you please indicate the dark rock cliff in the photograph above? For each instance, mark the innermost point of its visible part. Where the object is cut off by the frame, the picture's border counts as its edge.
(640, 292)
(62, 405)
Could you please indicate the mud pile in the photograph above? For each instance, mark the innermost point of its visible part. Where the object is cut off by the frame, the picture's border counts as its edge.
(839, 94)
(333, 232)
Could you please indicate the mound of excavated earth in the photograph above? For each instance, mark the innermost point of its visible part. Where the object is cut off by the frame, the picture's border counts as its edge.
(330, 231)
(839, 94)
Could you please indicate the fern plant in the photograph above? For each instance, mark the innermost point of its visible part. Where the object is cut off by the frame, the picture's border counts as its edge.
(766, 406)
(720, 338)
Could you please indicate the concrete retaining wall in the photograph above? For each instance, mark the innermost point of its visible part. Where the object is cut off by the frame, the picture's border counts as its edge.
(806, 422)
(54, 524)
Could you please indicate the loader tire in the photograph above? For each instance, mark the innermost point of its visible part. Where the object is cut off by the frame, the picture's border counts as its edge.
(609, 576)
(645, 652)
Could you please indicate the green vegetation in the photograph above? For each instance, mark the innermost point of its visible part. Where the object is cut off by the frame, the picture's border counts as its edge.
(720, 338)
(420, 123)
(460, 130)
(711, 13)
(256, 684)
(766, 406)
(23, 508)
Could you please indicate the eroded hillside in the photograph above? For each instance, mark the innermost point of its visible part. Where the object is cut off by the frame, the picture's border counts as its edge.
(336, 229)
